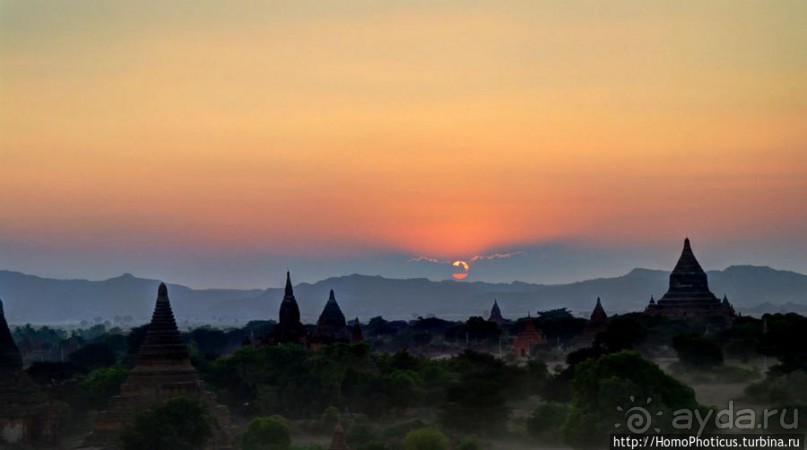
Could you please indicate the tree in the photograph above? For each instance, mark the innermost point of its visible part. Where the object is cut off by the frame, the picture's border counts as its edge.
(615, 380)
(546, 420)
(623, 333)
(101, 384)
(178, 424)
(425, 439)
(696, 352)
(469, 443)
(476, 402)
(267, 433)
(93, 356)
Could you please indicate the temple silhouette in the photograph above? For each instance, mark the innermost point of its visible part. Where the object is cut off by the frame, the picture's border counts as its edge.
(597, 323)
(289, 329)
(25, 413)
(496, 314)
(689, 296)
(163, 371)
(528, 338)
(331, 325)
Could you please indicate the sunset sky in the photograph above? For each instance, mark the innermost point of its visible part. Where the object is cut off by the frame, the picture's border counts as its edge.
(218, 143)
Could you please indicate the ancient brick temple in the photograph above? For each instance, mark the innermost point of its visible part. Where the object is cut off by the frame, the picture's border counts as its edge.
(163, 371)
(331, 326)
(24, 411)
(597, 323)
(289, 329)
(528, 338)
(496, 314)
(689, 296)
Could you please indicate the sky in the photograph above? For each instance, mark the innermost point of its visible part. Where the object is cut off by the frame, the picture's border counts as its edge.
(218, 143)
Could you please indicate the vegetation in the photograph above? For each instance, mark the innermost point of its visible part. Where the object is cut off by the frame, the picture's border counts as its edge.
(267, 433)
(546, 421)
(178, 424)
(696, 352)
(602, 385)
(390, 391)
(426, 439)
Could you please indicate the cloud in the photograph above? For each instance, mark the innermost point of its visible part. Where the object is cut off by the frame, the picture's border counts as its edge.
(428, 259)
(496, 256)
(472, 259)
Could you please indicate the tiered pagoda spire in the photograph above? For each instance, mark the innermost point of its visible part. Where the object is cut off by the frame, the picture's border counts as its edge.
(163, 371)
(289, 311)
(289, 328)
(496, 313)
(10, 357)
(688, 295)
(597, 323)
(598, 315)
(163, 346)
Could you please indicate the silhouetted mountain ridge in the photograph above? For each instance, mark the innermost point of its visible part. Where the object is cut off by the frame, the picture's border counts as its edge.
(30, 298)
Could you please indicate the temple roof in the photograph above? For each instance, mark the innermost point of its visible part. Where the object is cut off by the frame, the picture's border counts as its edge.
(288, 328)
(689, 295)
(598, 315)
(332, 314)
(10, 358)
(331, 322)
(162, 344)
(688, 276)
(19, 396)
(289, 311)
(496, 313)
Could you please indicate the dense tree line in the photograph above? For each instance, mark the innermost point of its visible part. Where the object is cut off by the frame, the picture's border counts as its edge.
(467, 392)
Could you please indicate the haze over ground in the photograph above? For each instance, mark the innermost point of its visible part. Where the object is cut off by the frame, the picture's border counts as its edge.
(218, 144)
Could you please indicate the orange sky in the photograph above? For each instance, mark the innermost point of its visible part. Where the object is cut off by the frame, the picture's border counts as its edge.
(323, 128)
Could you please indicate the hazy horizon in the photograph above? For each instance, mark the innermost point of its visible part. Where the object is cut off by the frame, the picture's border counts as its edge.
(533, 266)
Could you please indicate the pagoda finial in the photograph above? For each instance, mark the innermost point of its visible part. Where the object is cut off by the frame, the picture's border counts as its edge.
(331, 297)
(2, 312)
(598, 302)
(162, 291)
(289, 290)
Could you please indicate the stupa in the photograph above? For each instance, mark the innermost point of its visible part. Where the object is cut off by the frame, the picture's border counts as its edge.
(597, 323)
(289, 329)
(688, 296)
(163, 371)
(331, 326)
(496, 314)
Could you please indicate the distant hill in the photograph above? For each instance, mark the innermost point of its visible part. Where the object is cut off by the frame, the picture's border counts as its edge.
(28, 298)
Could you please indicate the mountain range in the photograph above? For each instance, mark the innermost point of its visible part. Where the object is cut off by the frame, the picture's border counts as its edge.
(129, 300)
